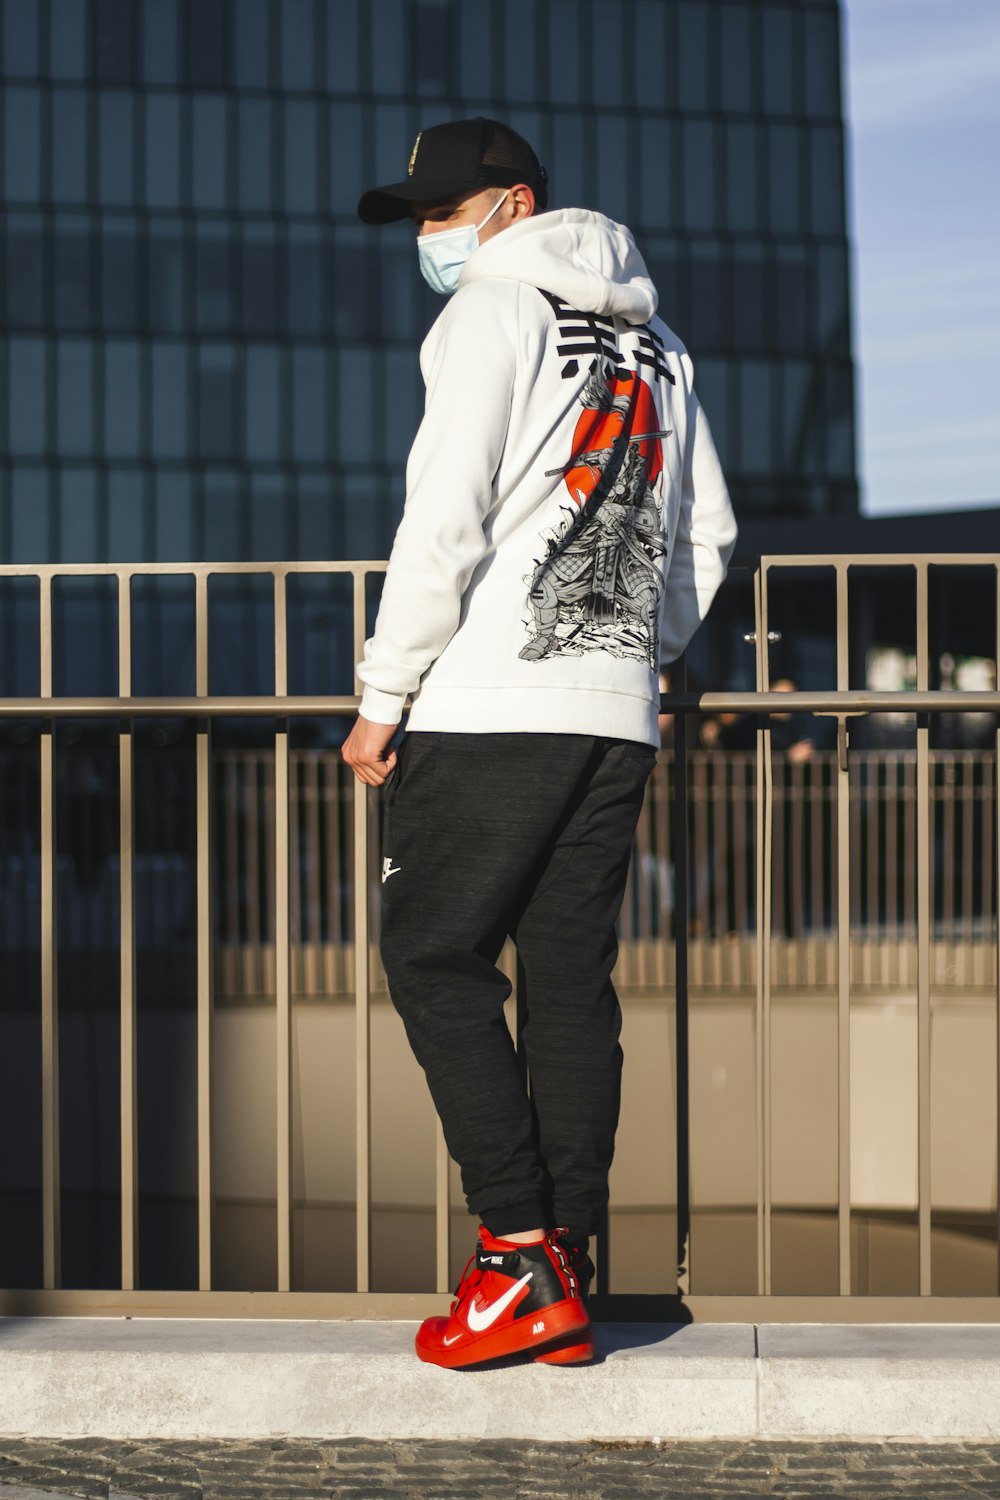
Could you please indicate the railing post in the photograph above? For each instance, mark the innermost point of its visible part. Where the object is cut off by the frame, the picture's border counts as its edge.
(127, 998)
(203, 860)
(51, 1236)
(283, 875)
(682, 1045)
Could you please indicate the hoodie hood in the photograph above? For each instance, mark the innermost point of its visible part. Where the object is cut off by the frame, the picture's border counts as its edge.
(588, 261)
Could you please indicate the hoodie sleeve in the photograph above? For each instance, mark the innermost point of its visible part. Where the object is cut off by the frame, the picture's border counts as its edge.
(705, 536)
(468, 363)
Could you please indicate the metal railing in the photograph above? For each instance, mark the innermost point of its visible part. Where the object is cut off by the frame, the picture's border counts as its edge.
(708, 817)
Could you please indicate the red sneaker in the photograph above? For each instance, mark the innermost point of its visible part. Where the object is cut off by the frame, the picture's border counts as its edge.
(573, 1350)
(512, 1299)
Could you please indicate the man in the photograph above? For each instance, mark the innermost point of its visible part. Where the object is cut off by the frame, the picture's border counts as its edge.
(562, 472)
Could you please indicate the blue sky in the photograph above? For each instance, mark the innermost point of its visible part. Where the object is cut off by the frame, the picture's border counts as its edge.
(923, 106)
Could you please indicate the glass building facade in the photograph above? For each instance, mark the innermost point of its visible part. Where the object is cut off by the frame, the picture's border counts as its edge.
(205, 355)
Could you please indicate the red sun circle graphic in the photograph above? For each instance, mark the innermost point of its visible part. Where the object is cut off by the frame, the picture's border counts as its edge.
(598, 429)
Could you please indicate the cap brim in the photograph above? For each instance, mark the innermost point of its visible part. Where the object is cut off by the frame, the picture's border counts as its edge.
(384, 205)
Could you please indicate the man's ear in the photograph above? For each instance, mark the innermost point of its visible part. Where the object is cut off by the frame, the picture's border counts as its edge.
(522, 200)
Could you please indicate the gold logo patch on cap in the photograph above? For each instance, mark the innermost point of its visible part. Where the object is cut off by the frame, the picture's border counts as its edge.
(413, 155)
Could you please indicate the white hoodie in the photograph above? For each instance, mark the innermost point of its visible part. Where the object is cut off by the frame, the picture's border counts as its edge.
(567, 523)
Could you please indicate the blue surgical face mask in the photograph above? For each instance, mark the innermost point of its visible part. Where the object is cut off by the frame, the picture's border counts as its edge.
(443, 255)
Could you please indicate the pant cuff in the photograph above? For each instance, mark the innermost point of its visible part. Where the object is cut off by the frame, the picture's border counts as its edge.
(515, 1218)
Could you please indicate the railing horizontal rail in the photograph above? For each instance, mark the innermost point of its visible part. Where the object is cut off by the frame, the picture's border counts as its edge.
(270, 706)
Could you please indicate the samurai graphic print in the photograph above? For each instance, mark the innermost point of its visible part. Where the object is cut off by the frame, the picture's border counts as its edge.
(597, 586)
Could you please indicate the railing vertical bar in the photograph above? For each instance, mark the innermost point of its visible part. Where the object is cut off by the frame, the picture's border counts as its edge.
(924, 876)
(843, 950)
(765, 893)
(51, 1232)
(679, 849)
(282, 947)
(996, 903)
(442, 1212)
(203, 821)
(362, 986)
(126, 847)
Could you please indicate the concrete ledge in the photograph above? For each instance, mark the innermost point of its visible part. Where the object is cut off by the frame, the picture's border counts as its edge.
(209, 1378)
(860, 1382)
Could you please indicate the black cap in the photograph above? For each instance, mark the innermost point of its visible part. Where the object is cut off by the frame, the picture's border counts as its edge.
(459, 157)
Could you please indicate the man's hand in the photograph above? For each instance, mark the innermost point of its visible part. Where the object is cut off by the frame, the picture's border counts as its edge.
(365, 752)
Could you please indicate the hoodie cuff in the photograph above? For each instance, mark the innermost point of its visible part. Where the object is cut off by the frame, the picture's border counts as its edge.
(381, 708)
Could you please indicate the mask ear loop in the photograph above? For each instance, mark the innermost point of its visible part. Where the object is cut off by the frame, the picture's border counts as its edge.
(498, 204)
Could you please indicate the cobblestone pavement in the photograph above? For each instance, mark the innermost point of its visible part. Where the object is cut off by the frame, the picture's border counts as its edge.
(360, 1470)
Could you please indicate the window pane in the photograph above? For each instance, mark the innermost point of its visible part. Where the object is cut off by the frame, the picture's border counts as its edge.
(822, 69)
(71, 253)
(67, 39)
(833, 301)
(397, 294)
(26, 396)
(779, 60)
(475, 49)
(699, 175)
(250, 21)
(711, 378)
(613, 159)
(173, 516)
(167, 268)
(388, 27)
(119, 274)
(656, 173)
(742, 205)
(263, 405)
(122, 374)
(217, 403)
(25, 261)
(22, 147)
(655, 61)
(839, 423)
(342, 46)
(160, 31)
(751, 299)
(298, 44)
(756, 413)
(792, 301)
(305, 284)
(31, 537)
(301, 132)
(115, 123)
(567, 165)
(69, 145)
(802, 418)
(346, 137)
(163, 150)
(20, 39)
(708, 297)
(432, 46)
(126, 516)
(309, 405)
(563, 50)
(827, 181)
(259, 280)
(693, 54)
(113, 42)
(213, 279)
(255, 154)
(783, 141)
(736, 93)
(208, 151)
(207, 44)
(169, 401)
(356, 379)
(74, 398)
(608, 32)
(81, 534)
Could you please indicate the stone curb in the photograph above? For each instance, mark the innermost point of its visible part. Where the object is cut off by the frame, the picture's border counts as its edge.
(208, 1378)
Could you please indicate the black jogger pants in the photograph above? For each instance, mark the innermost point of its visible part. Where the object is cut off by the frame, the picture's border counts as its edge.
(529, 835)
